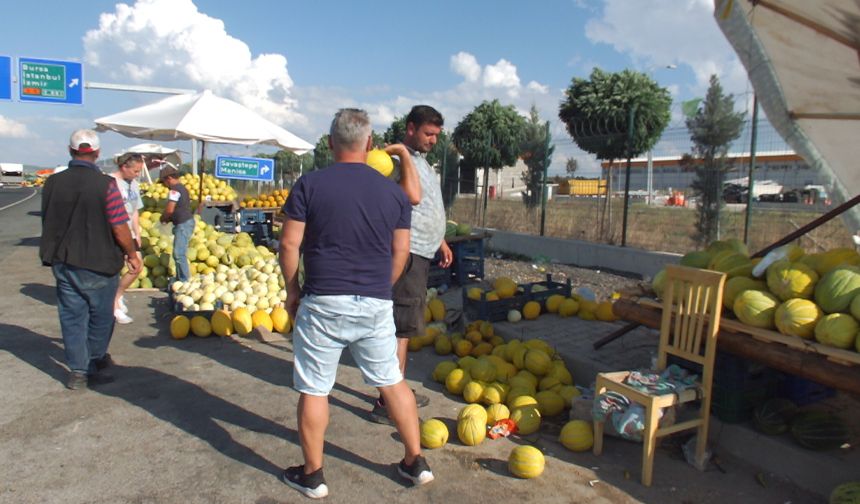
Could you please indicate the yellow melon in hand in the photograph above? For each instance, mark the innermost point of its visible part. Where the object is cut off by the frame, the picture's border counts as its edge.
(380, 161)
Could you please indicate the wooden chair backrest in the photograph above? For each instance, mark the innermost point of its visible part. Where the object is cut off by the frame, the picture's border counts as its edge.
(692, 304)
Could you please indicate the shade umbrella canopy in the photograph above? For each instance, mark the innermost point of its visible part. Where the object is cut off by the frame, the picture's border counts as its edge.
(201, 116)
(154, 150)
(802, 59)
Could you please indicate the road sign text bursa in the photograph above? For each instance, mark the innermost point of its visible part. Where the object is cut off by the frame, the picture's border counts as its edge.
(245, 168)
(50, 81)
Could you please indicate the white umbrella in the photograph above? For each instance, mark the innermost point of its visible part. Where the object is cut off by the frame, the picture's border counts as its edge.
(201, 116)
(801, 57)
(156, 152)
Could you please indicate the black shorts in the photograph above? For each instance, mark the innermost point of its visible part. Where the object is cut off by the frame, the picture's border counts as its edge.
(410, 296)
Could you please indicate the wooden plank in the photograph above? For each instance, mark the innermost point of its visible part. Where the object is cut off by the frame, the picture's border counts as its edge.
(813, 366)
(835, 354)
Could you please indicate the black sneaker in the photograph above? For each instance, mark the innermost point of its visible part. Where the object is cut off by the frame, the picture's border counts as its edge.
(103, 363)
(312, 485)
(76, 381)
(421, 400)
(97, 379)
(418, 473)
(379, 414)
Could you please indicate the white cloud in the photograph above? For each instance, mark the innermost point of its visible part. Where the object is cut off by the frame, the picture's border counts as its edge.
(10, 128)
(657, 33)
(538, 87)
(503, 74)
(171, 43)
(466, 65)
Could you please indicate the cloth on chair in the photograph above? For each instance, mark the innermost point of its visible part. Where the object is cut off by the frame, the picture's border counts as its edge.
(628, 418)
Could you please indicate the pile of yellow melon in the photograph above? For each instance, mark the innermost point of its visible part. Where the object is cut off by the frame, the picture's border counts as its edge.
(798, 294)
(240, 321)
(274, 199)
(214, 189)
(565, 307)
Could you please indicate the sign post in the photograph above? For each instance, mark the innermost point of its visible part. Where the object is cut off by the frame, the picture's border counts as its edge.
(50, 81)
(5, 77)
(245, 168)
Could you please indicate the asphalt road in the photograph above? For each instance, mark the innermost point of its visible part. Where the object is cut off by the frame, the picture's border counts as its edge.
(19, 218)
(212, 420)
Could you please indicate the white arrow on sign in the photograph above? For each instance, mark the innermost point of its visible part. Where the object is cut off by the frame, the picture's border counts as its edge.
(264, 170)
(73, 83)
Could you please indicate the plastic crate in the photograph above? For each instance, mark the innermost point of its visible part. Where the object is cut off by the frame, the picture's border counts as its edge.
(801, 391)
(552, 288)
(438, 276)
(468, 260)
(493, 311)
(732, 405)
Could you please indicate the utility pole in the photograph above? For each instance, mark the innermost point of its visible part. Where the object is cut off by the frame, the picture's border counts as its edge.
(543, 197)
(750, 178)
(630, 133)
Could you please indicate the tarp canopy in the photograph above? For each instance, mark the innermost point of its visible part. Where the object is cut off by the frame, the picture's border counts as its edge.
(803, 59)
(201, 116)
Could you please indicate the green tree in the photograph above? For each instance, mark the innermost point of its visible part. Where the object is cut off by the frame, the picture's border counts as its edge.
(323, 156)
(713, 128)
(489, 137)
(570, 166)
(597, 113)
(534, 152)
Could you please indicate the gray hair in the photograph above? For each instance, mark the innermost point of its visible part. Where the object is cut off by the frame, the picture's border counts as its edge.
(350, 128)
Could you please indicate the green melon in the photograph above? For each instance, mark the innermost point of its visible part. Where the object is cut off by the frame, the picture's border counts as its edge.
(846, 493)
(464, 229)
(774, 416)
(736, 285)
(791, 280)
(819, 430)
(450, 229)
(837, 330)
(756, 308)
(658, 284)
(732, 244)
(797, 317)
(732, 264)
(854, 307)
(696, 259)
(836, 289)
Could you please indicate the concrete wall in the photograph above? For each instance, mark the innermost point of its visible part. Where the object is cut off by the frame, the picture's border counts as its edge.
(637, 262)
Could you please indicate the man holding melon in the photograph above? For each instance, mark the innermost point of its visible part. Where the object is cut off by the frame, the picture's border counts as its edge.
(352, 226)
(419, 182)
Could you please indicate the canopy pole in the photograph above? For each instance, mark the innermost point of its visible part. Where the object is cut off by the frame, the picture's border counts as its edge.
(750, 175)
(202, 173)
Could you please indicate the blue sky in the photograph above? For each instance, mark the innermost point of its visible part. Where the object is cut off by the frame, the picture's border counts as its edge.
(297, 62)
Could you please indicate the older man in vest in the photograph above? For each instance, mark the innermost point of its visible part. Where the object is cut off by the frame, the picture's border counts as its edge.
(85, 240)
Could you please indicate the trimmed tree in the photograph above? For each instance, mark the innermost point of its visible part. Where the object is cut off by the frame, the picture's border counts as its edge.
(713, 128)
(535, 154)
(597, 113)
(489, 137)
(323, 156)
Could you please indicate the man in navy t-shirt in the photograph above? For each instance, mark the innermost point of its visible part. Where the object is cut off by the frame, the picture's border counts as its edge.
(352, 225)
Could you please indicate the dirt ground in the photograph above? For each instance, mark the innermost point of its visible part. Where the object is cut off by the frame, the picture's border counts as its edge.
(213, 421)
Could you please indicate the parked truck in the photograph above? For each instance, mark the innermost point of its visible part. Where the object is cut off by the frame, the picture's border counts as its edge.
(583, 187)
(11, 173)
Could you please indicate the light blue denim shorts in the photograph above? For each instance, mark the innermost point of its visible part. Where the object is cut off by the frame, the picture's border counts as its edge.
(325, 325)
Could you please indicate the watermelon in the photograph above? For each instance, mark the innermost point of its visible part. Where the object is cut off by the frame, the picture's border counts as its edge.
(773, 416)
(819, 430)
(846, 493)
(450, 229)
(696, 259)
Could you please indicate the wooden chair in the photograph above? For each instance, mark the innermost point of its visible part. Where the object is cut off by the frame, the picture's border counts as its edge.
(688, 330)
